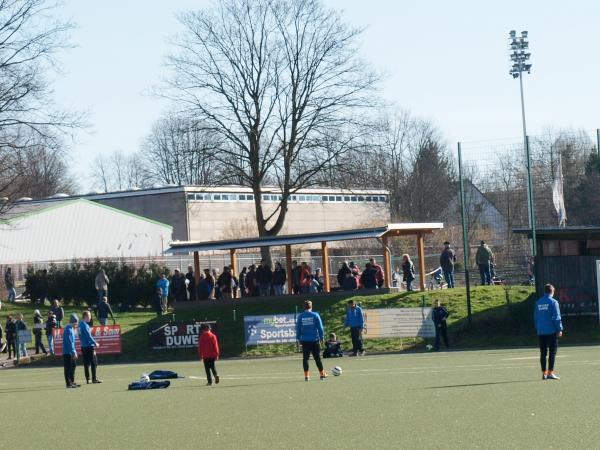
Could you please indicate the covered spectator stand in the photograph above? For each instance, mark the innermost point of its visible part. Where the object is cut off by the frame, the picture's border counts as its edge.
(382, 234)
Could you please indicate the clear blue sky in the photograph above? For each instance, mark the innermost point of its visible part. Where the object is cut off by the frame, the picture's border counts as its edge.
(446, 61)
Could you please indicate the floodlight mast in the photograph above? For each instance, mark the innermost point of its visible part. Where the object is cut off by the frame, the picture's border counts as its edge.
(519, 56)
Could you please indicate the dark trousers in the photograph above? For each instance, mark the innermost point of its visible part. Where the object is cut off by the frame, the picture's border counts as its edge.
(357, 343)
(209, 367)
(38, 342)
(11, 345)
(441, 331)
(89, 360)
(485, 274)
(449, 276)
(313, 348)
(548, 348)
(69, 364)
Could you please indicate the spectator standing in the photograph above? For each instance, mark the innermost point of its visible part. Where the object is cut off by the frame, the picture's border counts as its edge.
(69, 353)
(208, 351)
(158, 302)
(216, 293)
(355, 320)
(396, 277)
(368, 279)
(242, 282)
(2, 344)
(548, 325)
(21, 326)
(341, 276)
(318, 277)
(11, 336)
(50, 326)
(59, 313)
(309, 331)
(447, 260)
(484, 258)
(101, 285)
(251, 284)
(264, 277)
(163, 285)
(305, 278)
(408, 271)
(351, 282)
(439, 316)
(379, 276)
(88, 346)
(103, 311)
(191, 283)
(279, 279)
(38, 326)
(9, 281)
(296, 277)
(178, 287)
(225, 283)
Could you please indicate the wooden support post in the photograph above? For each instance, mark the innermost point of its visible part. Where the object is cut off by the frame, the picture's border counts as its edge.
(387, 263)
(288, 269)
(325, 269)
(421, 252)
(197, 268)
(234, 269)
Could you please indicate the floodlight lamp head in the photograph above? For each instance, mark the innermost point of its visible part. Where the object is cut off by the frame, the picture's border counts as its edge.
(512, 34)
(524, 34)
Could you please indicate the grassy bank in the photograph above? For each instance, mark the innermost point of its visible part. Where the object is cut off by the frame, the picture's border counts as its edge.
(501, 318)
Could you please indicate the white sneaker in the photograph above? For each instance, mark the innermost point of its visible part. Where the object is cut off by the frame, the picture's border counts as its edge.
(552, 376)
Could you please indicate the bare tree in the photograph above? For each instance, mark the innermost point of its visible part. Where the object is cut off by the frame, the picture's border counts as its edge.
(119, 171)
(277, 80)
(180, 151)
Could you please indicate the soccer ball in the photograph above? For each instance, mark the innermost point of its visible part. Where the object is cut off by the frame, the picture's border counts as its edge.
(336, 371)
(145, 377)
(429, 347)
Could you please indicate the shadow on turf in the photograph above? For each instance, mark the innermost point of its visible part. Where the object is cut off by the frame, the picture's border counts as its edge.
(479, 384)
(31, 389)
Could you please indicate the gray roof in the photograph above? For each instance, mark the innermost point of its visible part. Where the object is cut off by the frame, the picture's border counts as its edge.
(185, 247)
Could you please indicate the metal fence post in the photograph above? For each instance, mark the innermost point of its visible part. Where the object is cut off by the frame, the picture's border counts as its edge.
(530, 198)
(465, 234)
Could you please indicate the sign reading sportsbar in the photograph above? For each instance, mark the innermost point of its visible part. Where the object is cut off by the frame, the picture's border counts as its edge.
(273, 329)
(398, 322)
(108, 338)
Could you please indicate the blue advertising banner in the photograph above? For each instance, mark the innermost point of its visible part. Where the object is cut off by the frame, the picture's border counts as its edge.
(273, 329)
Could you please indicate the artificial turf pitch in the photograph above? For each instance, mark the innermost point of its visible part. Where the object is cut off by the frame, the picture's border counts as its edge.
(471, 399)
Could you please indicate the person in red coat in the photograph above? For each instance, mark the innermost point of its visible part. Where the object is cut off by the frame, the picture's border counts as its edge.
(208, 352)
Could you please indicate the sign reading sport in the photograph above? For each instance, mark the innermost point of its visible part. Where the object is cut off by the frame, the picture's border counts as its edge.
(398, 322)
(273, 329)
(176, 335)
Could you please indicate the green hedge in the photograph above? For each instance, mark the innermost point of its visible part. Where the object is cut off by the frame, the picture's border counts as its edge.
(74, 283)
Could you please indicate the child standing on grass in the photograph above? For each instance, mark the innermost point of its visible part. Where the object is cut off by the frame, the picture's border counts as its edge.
(208, 351)
(548, 324)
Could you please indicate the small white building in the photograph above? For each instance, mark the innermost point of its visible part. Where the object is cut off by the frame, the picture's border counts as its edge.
(78, 229)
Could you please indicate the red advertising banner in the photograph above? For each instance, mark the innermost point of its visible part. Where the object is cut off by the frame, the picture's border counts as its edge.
(107, 337)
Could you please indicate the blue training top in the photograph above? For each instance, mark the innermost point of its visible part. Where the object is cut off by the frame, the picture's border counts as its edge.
(355, 317)
(309, 327)
(85, 336)
(69, 341)
(546, 316)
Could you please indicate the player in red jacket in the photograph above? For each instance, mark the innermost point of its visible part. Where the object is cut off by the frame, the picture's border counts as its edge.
(208, 352)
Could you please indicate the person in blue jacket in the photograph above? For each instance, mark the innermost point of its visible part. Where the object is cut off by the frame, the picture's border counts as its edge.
(310, 333)
(355, 320)
(88, 348)
(548, 325)
(69, 352)
(163, 285)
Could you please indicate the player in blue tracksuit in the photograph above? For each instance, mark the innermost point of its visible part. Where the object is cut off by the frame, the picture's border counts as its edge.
(309, 331)
(355, 320)
(69, 352)
(88, 346)
(548, 324)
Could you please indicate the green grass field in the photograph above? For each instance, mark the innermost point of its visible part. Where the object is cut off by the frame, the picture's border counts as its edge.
(471, 399)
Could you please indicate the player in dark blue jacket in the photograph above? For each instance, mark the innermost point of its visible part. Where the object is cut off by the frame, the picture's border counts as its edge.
(309, 331)
(88, 348)
(69, 352)
(355, 320)
(548, 325)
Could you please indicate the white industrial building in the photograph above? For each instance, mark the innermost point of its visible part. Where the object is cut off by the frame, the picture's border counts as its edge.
(77, 229)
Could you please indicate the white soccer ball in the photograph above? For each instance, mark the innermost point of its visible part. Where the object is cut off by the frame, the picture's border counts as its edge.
(429, 347)
(144, 377)
(336, 371)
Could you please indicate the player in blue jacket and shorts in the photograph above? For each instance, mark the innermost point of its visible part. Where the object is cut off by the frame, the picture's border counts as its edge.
(548, 324)
(309, 331)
